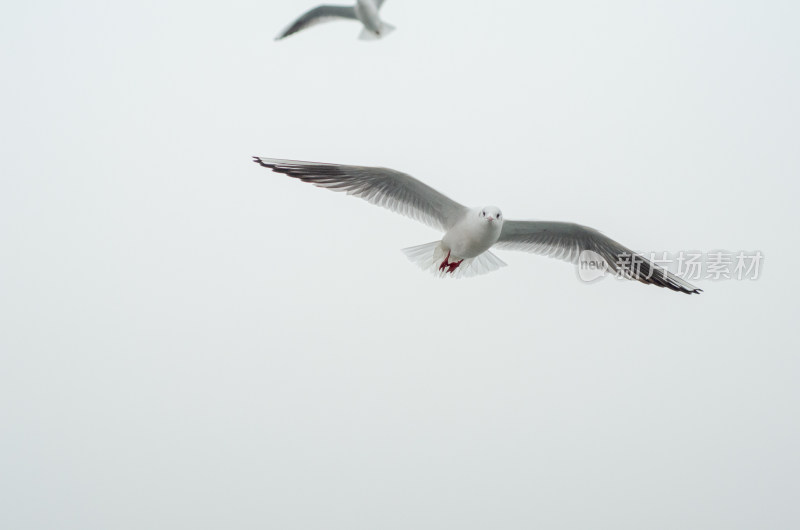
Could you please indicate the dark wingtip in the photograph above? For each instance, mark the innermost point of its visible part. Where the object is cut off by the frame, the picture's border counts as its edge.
(257, 160)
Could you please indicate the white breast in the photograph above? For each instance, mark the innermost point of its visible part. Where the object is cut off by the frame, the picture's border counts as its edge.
(367, 13)
(471, 236)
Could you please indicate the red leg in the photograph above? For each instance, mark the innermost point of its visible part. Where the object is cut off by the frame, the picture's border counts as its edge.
(445, 263)
(453, 266)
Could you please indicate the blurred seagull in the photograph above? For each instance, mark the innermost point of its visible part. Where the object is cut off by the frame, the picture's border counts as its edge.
(365, 11)
(469, 233)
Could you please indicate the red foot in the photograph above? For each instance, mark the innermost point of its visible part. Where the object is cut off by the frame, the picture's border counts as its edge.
(444, 263)
(449, 266)
(454, 266)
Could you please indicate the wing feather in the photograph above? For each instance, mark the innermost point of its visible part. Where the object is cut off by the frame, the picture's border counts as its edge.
(316, 16)
(566, 241)
(384, 187)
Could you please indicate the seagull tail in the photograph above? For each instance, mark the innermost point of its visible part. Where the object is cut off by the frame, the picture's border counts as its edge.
(367, 34)
(386, 29)
(429, 256)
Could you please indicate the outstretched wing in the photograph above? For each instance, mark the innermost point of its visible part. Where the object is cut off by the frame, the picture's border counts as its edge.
(385, 187)
(318, 15)
(566, 241)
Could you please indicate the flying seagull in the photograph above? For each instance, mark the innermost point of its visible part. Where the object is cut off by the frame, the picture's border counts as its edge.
(469, 233)
(365, 11)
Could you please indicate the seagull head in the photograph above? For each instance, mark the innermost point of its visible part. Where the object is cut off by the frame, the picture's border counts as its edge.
(491, 214)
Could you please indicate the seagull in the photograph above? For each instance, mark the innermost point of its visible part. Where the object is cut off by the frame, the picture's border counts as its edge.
(469, 233)
(365, 11)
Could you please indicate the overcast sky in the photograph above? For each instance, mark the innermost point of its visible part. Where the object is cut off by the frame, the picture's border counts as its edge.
(191, 341)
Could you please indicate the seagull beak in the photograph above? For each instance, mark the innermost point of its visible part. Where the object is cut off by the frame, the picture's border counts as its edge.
(490, 218)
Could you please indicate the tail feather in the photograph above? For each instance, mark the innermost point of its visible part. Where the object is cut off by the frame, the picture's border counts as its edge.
(386, 29)
(367, 34)
(429, 256)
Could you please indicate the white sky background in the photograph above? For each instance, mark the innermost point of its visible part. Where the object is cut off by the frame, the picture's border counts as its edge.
(191, 341)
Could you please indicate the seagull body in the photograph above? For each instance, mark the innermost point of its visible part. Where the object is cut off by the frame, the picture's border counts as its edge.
(474, 233)
(365, 11)
(469, 233)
